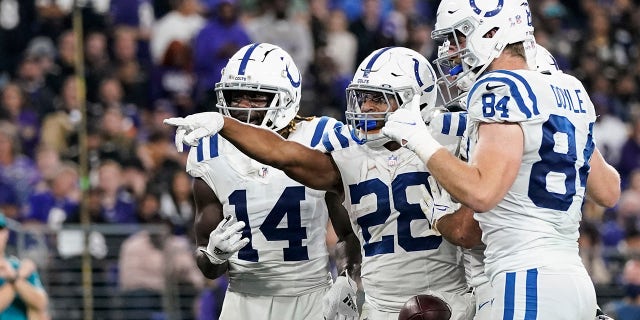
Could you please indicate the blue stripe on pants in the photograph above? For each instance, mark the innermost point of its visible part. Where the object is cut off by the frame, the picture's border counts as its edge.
(509, 296)
(532, 295)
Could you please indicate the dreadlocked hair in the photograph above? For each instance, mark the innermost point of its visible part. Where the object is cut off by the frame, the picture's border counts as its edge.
(292, 125)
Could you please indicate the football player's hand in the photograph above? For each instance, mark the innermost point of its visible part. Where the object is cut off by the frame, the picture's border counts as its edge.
(406, 127)
(340, 302)
(438, 205)
(192, 128)
(225, 240)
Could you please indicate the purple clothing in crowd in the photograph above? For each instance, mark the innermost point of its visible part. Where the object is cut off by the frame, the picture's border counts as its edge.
(41, 204)
(629, 160)
(124, 210)
(23, 175)
(208, 63)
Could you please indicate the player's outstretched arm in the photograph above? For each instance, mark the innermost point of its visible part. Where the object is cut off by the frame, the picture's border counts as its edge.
(208, 216)
(303, 164)
(603, 182)
(348, 246)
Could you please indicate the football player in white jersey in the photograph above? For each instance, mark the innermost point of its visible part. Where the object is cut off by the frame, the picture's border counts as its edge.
(532, 159)
(460, 228)
(263, 228)
(383, 185)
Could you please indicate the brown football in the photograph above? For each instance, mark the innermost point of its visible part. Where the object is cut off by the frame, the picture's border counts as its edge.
(425, 307)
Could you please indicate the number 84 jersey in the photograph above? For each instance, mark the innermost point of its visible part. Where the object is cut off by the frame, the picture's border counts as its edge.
(537, 221)
(285, 221)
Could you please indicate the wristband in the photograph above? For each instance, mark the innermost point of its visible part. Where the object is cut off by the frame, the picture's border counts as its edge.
(426, 148)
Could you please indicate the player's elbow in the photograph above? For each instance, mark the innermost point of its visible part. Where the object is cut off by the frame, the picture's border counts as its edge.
(609, 198)
(483, 201)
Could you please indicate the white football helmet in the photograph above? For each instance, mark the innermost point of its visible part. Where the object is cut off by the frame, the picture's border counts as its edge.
(392, 74)
(545, 61)
(466, 51)
(264, 68)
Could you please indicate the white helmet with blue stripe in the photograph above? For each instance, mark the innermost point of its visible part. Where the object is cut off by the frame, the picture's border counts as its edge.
(395, 75)
(467, 46)
(264, 69)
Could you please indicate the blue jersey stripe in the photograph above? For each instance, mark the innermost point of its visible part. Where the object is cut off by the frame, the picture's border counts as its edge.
(245, 59)
(326, 142)
(446, 123)
(200, 151)
(531, 312)
(515, 93)
(213, 146)
(317, 135)
(509, 296)
(462, 123)
(532, 96)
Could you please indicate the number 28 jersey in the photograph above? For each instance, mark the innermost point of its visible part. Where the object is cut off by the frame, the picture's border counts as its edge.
(536, 224)
(385, 194)
(285, 221)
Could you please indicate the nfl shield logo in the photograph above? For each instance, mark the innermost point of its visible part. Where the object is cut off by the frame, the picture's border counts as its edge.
(393, 160)
(263, 172)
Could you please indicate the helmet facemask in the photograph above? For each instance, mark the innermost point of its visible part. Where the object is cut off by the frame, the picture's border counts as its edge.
(367, 124)
(268, 79)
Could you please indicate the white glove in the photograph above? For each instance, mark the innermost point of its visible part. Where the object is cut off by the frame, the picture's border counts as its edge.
(339, 303)
(194, 127)
(224, 241)
(406, 127)
(438, 205)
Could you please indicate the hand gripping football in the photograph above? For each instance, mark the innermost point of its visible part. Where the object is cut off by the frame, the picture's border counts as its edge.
(425, 307)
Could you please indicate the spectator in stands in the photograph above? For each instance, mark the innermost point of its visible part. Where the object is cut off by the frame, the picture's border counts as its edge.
(181, 24)
(8, 200)
(133, 74)
(14, 107)
(148, 263)
(368, 30)
(117, 205)
(31, 78)
(174, 79)
(22, 295)
(591, 253)
(630, 154)
(59, 127)
(16, 170)
(276, 27)
(97, 62)
(161, 161)
(65, 62)
(220, 38)
(59, 203)
(609, 130)
(177, 204)
(629, 307)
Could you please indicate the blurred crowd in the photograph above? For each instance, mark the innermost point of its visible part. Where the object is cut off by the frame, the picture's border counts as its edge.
(146, 60)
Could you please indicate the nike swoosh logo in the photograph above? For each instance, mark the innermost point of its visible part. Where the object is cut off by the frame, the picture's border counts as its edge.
(490, 87)
(452, 11)
(482, 305)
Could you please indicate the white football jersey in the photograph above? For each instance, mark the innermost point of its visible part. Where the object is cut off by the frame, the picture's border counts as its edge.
(536, 224)
(285, 221)
(454, 124)
(384, 194)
